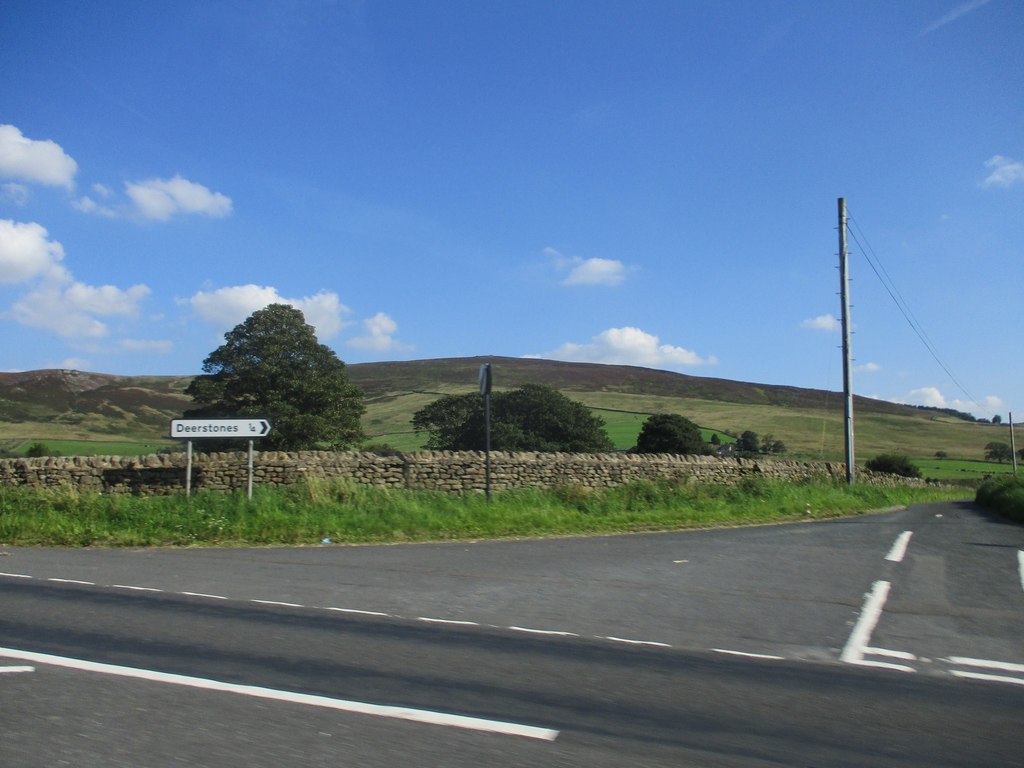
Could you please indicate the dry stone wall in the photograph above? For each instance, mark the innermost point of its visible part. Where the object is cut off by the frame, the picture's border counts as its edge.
(452, 472)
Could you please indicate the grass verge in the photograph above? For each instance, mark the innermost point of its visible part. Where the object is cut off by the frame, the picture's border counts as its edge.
(346, 513)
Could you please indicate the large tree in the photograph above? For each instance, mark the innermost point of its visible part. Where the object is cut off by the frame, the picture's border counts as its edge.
(531, 418)
(272, 366)
(669, 433)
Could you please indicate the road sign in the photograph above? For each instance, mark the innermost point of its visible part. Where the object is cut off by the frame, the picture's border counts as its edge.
(220, 428)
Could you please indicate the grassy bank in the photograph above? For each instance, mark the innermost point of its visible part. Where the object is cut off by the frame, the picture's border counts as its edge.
(344, 513)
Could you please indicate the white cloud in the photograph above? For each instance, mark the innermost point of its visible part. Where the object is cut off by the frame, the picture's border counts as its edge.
(1006, 171)
(821, 323)
(868, 368)
(12, 192)
(26, 251)
(162, 198)
(961, 10)
(628, 346)
(378, 335)
(596, 272)
(932, 397)
(227, 307)
(66, 307)
(43, 162)
(610, 272)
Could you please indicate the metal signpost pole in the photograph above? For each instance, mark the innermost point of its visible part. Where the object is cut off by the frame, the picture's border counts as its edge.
(188, 469)
(250, 471)
(485, 390)
(1013, 445)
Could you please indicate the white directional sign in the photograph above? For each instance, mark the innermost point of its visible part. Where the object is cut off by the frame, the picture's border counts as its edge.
(199, 428)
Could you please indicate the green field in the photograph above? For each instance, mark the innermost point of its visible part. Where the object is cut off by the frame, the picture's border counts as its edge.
(92, 447)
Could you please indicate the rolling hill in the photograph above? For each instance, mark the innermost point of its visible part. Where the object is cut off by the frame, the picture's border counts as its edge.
(78, 412)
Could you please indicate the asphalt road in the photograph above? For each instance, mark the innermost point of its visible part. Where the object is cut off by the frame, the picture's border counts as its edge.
(892, 639)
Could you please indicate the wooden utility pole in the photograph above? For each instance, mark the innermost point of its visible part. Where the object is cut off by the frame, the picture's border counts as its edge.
(844, 294)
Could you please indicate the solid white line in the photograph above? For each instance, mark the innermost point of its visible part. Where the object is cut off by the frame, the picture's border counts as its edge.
(869, 615)
(899, 547)
(357, 707)
(74, 581)
(356, 611)
(989, 678)
(17, 575)
(1005, 666)
(749, 655)
(203, 594)
(637, 642)
(135, 589)
(273, 602)
(544, 632)
(17, 669)
(447, 621)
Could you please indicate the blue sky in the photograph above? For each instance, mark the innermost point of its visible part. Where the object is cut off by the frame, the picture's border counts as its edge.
(643, 182)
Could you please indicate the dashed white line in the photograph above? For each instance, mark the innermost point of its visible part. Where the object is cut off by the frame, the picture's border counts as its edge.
(987, 677)
(203, 594)
(555, 632)
(745, 654)
(356, 707)
(899, 547)
(17, 575)
(277, 602)
(357, 612)
(1020, 566)
(17, 669)
(1004, 666)
(74, 581)
(457, 622)
(627, 641)
(136, 589)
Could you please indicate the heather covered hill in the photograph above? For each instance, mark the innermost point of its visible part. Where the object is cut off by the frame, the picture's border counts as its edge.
(78, 412)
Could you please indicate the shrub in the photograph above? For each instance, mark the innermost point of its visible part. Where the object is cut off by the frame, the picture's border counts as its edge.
(40, 449)
(893, 464)
(1004, 495)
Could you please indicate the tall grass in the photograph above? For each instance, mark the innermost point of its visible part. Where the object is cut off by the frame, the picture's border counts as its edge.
(314, 511)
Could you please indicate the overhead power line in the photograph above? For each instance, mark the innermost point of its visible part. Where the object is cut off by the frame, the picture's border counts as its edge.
(901, 304)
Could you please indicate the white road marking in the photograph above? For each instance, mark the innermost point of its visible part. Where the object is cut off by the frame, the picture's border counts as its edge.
(987, 677)
(357, 611)
(17, 669)
(749, 655)
(74, 581)
(853, 653)
(357, 707)
(899, 547)
(544, 631)
(1004, 666)
(1020, 566)
(457, 622)
(135, 589)
(636, 642)
(17, 575)
(203, 594)
(275, 602)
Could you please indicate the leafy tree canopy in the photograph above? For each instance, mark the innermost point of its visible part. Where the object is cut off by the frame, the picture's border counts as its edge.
(531, 418)
(669, 433)
(272, 366)
(1000, 452)
(748, 443)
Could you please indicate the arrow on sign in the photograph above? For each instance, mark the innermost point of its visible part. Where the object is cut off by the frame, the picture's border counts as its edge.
(199, 428)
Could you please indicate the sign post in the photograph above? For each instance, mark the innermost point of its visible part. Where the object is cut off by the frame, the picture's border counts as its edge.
(485, 390)
(229, 428)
